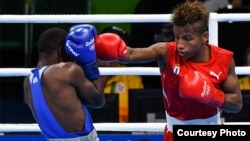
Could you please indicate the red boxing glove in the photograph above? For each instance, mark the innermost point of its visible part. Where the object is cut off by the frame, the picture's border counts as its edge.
(110, 47)
(195, 86)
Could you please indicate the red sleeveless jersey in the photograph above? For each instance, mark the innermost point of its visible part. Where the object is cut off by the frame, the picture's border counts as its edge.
(215, 69)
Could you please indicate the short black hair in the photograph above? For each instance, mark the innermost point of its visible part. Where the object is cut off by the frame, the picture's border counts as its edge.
(51, 40)
(189, 13)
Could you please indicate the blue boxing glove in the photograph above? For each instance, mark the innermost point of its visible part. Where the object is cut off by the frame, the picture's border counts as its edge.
(87, 26)
(79, 45)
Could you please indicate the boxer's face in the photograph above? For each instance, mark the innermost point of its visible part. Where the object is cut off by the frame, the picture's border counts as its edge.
(190, 41)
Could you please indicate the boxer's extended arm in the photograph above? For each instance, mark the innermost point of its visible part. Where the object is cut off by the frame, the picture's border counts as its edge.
(195, 86)
(79, 45)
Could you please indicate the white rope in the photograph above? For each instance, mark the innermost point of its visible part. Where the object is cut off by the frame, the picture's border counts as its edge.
(116, 127)
(7, 72)
(112, 18)
(119, 18)
(10, 72)
(124, 18)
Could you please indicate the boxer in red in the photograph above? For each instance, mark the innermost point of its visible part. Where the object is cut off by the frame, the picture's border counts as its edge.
(198, 78)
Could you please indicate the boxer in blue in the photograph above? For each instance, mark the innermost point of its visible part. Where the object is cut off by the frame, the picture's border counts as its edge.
(65, 81)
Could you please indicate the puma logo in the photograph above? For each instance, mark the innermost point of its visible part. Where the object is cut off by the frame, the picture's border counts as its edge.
(217, 76)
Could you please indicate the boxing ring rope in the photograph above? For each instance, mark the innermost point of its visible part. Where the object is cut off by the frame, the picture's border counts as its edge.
(155, 127)
(115, 18)
(112, 18)
(10, 72)
(123, 18)
(100, 18)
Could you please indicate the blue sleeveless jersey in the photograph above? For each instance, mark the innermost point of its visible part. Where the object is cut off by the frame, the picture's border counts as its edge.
(45, 119)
